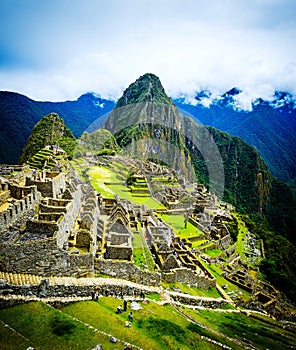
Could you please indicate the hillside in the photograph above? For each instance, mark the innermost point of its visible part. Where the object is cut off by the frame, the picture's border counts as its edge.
(19, 114)
(49, 131)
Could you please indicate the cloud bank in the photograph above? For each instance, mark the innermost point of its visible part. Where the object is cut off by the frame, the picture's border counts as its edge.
(59, 49)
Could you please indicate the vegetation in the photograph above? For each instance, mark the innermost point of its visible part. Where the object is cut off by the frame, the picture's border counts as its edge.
(106, 181)
(141, 253)
(177, 223)
(50, 130)
(147, 88)
(43, 327)
(100, 142)
(243, 328)
(82, 325)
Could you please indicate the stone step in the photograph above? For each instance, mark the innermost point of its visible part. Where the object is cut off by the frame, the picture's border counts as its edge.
(22, 279)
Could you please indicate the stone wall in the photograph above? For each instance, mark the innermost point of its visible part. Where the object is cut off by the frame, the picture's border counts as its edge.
(127, 270)
(4, 195)
(28, 201)
(213, 303)
(42, 227)
(118, 252)
(49, 187)
(187, 276)
(67, 223)
(224, 242)
(42, 257)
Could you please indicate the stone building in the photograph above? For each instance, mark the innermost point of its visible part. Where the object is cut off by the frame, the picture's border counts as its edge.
(46, 210)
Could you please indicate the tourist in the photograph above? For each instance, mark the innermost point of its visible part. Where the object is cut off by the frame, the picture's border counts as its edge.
(124, 305)
(119, 309)
(130, 316)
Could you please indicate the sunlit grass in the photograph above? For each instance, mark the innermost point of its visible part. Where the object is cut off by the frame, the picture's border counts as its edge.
(105, 181)
(177, 223)
(38, 322)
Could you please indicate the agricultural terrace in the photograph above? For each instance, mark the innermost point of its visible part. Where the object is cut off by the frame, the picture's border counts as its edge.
(106, 181)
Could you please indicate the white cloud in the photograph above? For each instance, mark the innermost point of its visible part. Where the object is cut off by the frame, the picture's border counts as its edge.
(64, 48)
(245, 99)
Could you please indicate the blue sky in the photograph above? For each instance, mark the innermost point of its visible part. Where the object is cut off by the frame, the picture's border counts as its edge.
(59, 49)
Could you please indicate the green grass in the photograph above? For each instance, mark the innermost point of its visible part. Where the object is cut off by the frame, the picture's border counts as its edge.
(240, 326)
(154, 326)
(105, 181)
(242, 232)
(153, 296)
(141, 253)
(213, 253)
(46, 328)
(192, 290)
(176, 222)
(11, 340)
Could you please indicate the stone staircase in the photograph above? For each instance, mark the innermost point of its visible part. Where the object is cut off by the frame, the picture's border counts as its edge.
(17, 279)
(20, 279)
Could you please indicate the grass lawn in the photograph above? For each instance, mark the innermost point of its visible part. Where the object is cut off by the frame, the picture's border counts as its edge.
(185, 288)
(11, 340)
(141, 253)
(46, 328)
(176, 222)
(154, 326)
(106, 181)
(242, 232)
(240, 326)
(213, 253)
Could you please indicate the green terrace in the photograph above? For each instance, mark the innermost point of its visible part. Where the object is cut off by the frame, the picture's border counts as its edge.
(82, 325)
(177, 223)
(106, 181)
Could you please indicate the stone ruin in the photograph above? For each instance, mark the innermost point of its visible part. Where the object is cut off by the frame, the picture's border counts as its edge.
(38, 219)
(70, 230)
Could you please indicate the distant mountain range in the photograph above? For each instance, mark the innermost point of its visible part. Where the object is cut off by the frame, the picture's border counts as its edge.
(269, 126)
(19, 114)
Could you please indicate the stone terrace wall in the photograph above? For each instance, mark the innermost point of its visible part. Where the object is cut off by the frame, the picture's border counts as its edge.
(50, 187)
(212, 303)
(126, 270)
(184, 275)
(76, 290)
(30, 198)
(42, 257)
(68, 221)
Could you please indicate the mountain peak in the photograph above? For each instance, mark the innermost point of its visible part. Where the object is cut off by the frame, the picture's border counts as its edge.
(50, 130)
(147, 88)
